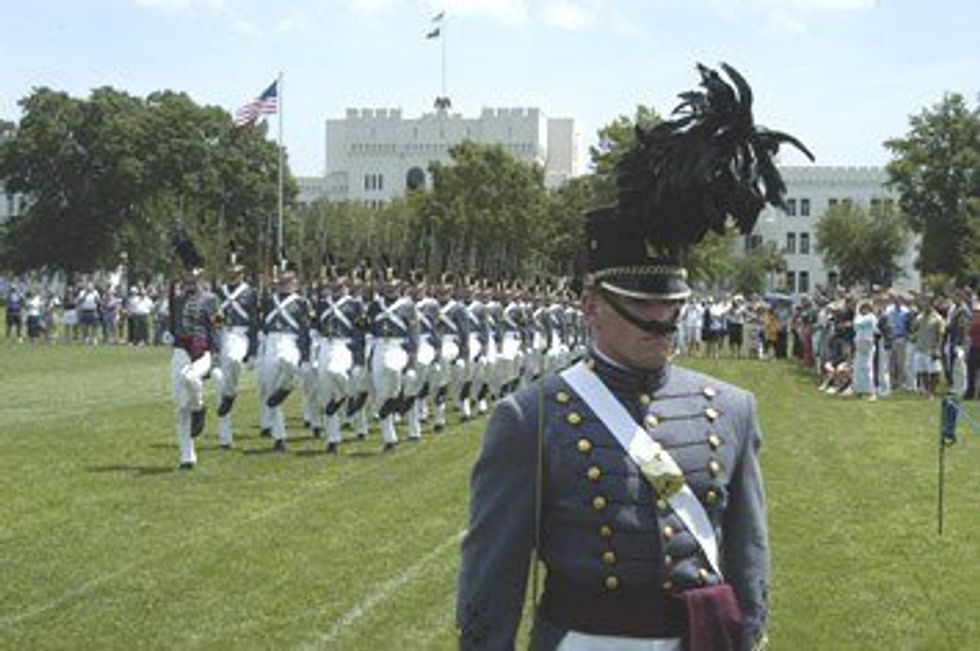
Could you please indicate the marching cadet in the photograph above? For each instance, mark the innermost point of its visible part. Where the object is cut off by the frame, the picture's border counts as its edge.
(482, 340)
(287, 347)
(448, 363)
(313, 401)
(394, 328)
(510, 324)
(422, 356)
(261, 375)
(624, 472)
(238, 312)
(341, 319)
(192, 325)
(465, 372)
(431, 335)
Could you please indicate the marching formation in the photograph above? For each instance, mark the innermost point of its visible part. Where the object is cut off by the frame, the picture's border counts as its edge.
(362, 346)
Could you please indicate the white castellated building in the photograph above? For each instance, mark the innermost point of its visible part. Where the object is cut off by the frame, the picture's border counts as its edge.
(374, 155)
(810, 191)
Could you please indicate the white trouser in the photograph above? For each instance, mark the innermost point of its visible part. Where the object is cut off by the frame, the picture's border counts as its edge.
(334, 372)
(281, 368)
(388, 361)
(575, 641)
(312, 402)
(187, 385)
(959, 371)
(263, 377)
(234, 348)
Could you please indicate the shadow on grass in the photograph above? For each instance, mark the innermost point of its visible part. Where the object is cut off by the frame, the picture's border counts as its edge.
(139, 471)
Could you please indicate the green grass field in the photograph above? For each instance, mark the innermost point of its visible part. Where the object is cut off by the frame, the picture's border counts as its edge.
(103, 544)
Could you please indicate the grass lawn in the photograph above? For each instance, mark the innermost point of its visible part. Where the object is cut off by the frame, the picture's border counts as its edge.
(103, 544)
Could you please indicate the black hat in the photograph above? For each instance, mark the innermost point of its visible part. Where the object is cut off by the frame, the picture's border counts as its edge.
(681, 178)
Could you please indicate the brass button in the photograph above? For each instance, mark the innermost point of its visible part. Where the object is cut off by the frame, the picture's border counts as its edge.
(709, 392)
(714, 441)
(594, 473)
(574, 418)
(703, 575)
(668, 560)
(584, 445)
(715, 468)
(662, 504)
(668, 532)
(651, 421)
(711, 497)
(609, 558)
(645, 399)
(598, 502)
(612, 582)
(668, 586)
(562, 397)
(605, 531)
(711, 413)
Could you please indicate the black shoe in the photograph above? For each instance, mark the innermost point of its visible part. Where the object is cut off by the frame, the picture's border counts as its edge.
(266, 432)
(277, 398)
(307, 424)
(317, 432)
(197, 422)
(331, 448)
(438, 427)
(227, 402)
(279, 446)
(361, 436)
(390, 447)
(226, 446)
(187, 465)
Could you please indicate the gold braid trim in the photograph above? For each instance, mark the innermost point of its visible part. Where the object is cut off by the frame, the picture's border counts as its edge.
(645, 270)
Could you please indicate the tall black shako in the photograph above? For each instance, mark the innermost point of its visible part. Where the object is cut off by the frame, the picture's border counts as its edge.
(687, 175)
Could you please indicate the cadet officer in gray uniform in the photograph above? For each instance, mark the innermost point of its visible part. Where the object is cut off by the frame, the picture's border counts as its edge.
(238, 312)
(636, 481)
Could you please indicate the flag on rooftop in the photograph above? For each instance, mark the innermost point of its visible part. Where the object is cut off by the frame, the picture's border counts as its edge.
(438, 16)
(265, 104)
(433, 34)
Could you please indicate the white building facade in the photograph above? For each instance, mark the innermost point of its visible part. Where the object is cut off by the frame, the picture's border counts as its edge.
(374, 155)
(810, 191)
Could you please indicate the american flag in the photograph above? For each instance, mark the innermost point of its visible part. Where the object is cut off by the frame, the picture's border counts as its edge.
(265, 104)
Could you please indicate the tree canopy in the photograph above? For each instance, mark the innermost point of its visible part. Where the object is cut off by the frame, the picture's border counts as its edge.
(936, 169)
(112, 174)
(863, 245)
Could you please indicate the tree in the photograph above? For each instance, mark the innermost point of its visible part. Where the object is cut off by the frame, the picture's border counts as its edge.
(936, 169)
(485, 211)
(863, 245)
(112, 174)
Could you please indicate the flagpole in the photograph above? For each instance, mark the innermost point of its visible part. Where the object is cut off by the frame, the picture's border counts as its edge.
(279, 250)
(442, 37)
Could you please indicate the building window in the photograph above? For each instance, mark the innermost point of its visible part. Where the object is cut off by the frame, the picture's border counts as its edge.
(805, 243)
(831, 203)
(804, 285)
(381, 182)
(752, 242)
(790, 242)
(791, 207)
(367, 181)
(832, 279)
(846, 202)
(791, 281)
(804, 207)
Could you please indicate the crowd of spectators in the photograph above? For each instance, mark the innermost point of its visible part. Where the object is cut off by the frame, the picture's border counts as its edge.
(866, 346)
(91, 313)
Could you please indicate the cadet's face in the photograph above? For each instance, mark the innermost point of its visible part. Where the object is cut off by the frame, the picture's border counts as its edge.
(622, 341)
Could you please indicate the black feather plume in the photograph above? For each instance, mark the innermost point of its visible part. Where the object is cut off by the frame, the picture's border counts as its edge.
(710, 163)
(185, 250)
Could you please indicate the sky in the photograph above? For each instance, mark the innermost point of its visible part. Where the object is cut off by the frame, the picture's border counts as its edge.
(841, 75)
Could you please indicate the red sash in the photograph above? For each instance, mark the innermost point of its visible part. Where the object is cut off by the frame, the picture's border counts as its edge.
(195, 345)
(714, 619)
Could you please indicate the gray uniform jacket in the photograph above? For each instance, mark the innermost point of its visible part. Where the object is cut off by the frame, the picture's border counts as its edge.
(603, 529)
